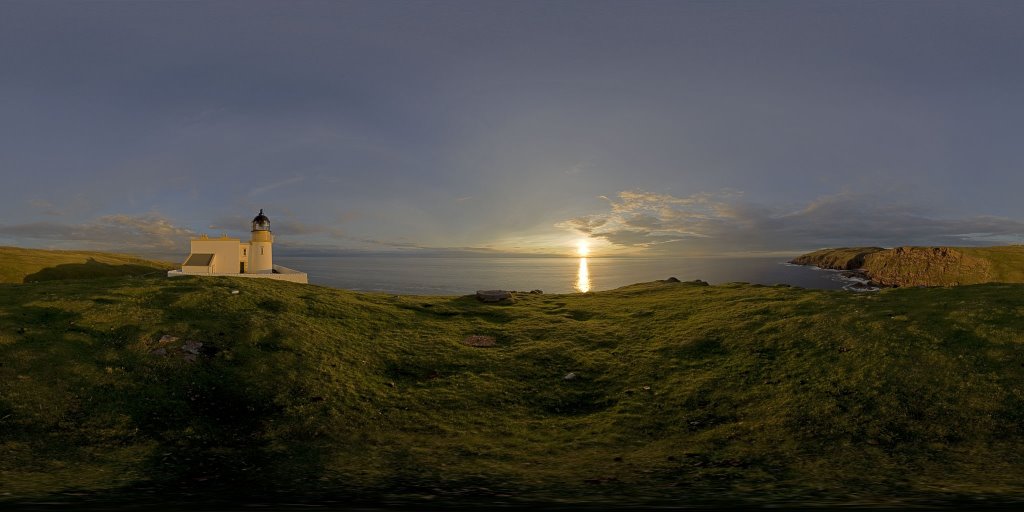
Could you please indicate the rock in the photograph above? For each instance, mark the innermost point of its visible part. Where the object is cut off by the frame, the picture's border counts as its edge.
(537, 292)
(235, 292)
(570, 376)
(192, 346)
(672, 280)
(699, 282)
(166, 338)
(159, 352)
(479, 341)
(493, 295)
(190, 357)
(647, 388)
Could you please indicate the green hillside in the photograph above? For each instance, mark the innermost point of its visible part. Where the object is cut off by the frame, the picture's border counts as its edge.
(18, 265)
(926, 266)
(657, 393)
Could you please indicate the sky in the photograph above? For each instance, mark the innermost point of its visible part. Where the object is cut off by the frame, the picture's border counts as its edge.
(519, 127)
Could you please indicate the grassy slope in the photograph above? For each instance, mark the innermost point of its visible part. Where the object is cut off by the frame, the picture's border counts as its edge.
(685, 393)
(926, 266)
(19, 265)
(1006, 263)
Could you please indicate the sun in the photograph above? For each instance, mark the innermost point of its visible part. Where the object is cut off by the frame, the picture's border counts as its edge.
(582, 248)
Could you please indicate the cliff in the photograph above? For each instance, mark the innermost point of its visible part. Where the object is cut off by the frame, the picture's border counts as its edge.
(846, 258)
(925, 266)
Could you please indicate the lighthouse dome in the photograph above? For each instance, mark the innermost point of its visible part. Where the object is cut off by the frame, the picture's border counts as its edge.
(261, 222)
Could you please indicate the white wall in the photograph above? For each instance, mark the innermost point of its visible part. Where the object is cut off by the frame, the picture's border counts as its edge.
(261, 257)
(225, 251)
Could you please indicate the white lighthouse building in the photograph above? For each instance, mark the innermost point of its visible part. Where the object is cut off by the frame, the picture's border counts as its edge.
(261, 246)
(227, 256)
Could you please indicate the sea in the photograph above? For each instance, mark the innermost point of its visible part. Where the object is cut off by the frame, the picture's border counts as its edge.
(442, 275)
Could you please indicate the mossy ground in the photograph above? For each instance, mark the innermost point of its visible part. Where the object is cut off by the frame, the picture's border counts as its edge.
(685, 394)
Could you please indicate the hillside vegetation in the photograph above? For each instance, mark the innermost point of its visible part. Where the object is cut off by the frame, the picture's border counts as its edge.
(18, 265)
(925, 266)
(177, 390)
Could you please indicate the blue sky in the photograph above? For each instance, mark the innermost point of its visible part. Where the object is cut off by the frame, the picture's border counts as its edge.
(647, 127)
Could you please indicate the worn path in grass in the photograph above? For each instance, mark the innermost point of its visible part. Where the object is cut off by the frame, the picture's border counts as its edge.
(683, 394)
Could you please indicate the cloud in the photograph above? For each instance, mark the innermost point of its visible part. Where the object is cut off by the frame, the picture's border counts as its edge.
(146, 232)
(277, 184)
(718, 222)
(45, 207)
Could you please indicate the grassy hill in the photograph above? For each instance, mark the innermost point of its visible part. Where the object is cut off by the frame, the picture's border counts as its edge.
(657, 393)
(18, 265)
(926, 266)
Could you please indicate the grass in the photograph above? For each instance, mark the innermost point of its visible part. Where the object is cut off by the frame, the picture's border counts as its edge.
(28, 265)
(685, 394)
(926, 266)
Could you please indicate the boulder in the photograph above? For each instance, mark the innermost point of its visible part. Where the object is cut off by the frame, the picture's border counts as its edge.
(165, 339)
(192, 346)
(494, 295)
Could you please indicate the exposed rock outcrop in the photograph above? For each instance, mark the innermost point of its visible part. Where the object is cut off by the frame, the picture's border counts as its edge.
(494, 296)
(924, 266)
(845, 258)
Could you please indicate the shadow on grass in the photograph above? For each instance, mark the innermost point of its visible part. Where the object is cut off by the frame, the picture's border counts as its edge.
(88, 270)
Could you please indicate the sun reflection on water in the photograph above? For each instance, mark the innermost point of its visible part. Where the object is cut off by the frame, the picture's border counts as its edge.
(583, 277)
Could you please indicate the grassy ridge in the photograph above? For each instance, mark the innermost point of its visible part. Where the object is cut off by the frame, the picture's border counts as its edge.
(683, 394)
(926, 266)
(18, 265)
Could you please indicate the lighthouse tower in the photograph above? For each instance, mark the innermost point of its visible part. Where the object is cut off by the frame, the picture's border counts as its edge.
(261, 252)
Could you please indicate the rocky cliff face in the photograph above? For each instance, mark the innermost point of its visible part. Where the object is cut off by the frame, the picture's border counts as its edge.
(926, 266)
(846, 258)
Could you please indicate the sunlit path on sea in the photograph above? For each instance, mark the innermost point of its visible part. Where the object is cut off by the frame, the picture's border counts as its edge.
(583, 277)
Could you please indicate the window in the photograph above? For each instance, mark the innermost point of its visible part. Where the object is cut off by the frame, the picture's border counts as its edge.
(243, 252)
(261, 251)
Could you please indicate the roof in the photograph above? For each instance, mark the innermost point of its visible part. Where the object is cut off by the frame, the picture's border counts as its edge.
(198, 260)
(261, 222)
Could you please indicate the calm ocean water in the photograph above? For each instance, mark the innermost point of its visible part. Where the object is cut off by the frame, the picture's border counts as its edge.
(411, 275)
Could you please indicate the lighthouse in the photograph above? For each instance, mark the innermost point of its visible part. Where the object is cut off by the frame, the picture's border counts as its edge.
(226, 256)
(261, 251)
